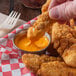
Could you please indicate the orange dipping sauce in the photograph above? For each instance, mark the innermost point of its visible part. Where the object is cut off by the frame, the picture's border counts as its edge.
(26, 44)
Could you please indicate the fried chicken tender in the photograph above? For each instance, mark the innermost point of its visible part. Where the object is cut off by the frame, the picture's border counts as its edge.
(42, 25)
(33, 61)
(56, 68)
(45, 6)
(64, 40)
(69, 55)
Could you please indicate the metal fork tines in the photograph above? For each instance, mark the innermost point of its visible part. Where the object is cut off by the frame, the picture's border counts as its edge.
(11, 20)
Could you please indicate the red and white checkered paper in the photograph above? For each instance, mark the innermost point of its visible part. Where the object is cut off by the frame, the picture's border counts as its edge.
(10, 57)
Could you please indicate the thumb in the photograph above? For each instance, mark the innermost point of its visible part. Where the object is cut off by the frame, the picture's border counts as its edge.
(64, 11)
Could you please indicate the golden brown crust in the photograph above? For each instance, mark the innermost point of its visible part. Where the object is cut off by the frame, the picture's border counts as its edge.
(33, 62)
(72, 23)
(42, 25)
(45, 6)
(56, 68)
(69, 56)
(63, 38)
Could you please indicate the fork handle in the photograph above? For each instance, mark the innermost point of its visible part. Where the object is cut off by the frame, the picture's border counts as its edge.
(11, 5)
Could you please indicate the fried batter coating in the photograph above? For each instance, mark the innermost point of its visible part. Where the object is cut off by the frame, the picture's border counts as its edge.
(56, 68)
(42, 25)
(45, 6)
(33, 61)
(69, 55)
(72, 24)
(64, 38)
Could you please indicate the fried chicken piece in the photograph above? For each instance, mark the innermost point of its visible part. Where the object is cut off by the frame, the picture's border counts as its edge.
(42, 25)
(56, 68)
(64, 40)
(72, 24)
(33, 61)
(69, 55)
(45, 6)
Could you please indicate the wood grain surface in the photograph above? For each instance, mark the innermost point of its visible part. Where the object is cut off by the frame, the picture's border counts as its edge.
(26, 13)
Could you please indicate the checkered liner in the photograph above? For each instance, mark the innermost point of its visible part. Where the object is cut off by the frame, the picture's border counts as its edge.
(10, 57)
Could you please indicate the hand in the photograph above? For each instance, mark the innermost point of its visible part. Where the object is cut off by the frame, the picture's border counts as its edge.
(62, 9)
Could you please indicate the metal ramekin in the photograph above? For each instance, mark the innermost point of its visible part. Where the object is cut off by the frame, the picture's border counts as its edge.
(24, 32)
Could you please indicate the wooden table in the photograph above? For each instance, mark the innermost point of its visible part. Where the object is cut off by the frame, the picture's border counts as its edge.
(26, 13)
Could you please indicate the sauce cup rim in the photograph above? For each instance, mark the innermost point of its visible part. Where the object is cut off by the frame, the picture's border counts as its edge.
(44, 49)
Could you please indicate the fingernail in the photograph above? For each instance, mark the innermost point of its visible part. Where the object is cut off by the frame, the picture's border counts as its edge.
(53, 13)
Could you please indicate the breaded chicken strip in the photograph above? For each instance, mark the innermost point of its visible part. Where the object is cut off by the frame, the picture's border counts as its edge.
(45, 6)
(56, 68)
(33, 61)
(69, 55)
(42, 25)
(64, 40)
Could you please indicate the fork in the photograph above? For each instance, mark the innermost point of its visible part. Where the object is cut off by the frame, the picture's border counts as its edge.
(11, 20)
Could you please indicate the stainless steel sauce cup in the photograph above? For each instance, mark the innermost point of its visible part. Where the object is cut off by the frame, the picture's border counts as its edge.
(24, 33)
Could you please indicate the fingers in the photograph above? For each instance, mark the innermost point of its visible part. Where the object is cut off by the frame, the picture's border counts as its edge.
(64, 11)
(55, 2)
